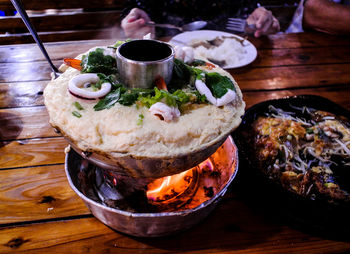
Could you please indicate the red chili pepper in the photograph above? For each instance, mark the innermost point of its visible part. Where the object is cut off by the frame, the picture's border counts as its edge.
(160, 83)
(209, 65)
(74, 63)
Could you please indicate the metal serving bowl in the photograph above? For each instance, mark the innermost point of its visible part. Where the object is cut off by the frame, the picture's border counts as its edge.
(141, 62)
(149, 224)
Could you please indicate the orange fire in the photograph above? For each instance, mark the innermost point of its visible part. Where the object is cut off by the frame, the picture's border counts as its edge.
(191, 188)
(169, 187)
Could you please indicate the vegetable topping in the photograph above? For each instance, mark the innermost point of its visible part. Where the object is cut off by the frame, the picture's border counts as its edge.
(188, 85)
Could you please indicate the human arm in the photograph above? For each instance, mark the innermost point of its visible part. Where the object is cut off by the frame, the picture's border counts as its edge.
(326, 16)
(134, 24)
(264, 22)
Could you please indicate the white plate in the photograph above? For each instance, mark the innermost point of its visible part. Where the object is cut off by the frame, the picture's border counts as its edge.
(187, 38)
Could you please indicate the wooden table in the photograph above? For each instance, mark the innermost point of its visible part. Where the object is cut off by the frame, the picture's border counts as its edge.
(40, 213)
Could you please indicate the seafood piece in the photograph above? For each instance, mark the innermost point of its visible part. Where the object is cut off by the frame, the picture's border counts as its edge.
(164, 112)
(204, 90)
(225, 99)
(184, 53)
(77, 86)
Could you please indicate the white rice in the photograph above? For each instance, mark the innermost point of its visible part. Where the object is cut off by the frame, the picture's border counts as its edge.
(231, 51)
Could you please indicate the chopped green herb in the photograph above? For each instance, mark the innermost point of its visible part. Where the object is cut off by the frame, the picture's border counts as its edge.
(108, 101)
(78, 106)
(76, 114)
(140, 120)
(182, 74)
(131, 96)
(97, 62)
(171, 99)
(198, 62)
(200, 98)
(128, 98)
(218, 84)
(112, 79)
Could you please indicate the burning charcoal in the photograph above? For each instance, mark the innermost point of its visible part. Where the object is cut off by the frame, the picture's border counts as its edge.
(216, 174)
(209, 191)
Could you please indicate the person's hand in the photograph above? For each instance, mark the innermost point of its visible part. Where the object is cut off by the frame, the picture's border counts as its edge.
(134, 24)
(265, 23)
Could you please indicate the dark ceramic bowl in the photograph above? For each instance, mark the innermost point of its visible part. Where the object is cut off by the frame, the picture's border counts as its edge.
(269, 196)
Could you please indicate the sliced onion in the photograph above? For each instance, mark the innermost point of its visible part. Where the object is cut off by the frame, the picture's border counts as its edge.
(76, 86)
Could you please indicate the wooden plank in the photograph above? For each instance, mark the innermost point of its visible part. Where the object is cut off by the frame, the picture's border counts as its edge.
(71, 4)
(287, 77)
(56, 50)
(242, 231)
(62, 22)
(306, 56)
(22, 94)
(24, 123)
(32, 152)
(75, 35)
(299, 40)
(337, 94)
(264, 78)
(39, 193)
(21, 72)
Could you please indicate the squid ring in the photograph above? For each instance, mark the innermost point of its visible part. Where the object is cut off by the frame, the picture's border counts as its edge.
(76, 86)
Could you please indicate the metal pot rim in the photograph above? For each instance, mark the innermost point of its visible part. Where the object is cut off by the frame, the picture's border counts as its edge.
(146, 62)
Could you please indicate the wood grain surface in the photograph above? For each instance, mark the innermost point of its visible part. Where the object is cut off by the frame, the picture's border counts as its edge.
(39, 212)
(37, 193)
(32, 152)
(243, 232)
(67, 35)
(65, 22)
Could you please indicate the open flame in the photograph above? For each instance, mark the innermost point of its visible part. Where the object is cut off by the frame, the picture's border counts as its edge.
(170, 187)
(180, 188)
(179, 192)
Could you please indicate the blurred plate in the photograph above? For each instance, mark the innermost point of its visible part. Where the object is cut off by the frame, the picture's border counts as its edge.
(187, 38)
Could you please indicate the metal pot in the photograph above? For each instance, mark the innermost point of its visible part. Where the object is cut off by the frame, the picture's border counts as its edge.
(149, 224)
(141, 62)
